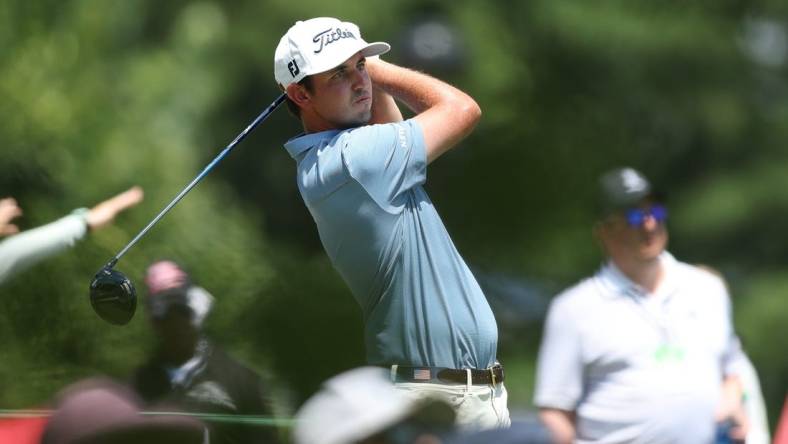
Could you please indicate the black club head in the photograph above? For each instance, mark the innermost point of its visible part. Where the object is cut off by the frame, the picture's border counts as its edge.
(113, 296)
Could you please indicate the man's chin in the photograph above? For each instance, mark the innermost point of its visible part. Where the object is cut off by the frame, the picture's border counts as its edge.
(365, 117)
(361, 120)
(650, 253)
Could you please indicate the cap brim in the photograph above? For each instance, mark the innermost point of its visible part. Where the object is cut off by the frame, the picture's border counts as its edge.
(605, 209)
(376, 49)
(368, 50)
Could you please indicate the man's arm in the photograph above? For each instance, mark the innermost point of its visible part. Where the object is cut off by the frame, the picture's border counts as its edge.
(445, 114)
(734, 363)
(21, 251)
(560, 423)
(384, 108)
(731, 408)
(559, 370)
(105, 212)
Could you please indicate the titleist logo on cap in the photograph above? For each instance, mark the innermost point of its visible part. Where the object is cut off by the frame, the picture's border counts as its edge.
(330, 36)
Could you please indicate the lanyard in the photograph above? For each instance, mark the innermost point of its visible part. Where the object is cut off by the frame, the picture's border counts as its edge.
(658, 315)
(654, 312)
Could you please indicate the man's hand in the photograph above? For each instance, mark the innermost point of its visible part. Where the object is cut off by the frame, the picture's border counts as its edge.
(446, 114)
(384, 108)
(731, 409)
(8, 210)
(105, 212)
(560, 424)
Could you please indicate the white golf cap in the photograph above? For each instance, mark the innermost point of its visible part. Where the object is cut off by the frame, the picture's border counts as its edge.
(359, 403)
(317, 45)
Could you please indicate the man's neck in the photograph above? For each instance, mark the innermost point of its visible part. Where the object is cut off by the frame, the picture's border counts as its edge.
(311, 128)
(313, 123)
(647, 274)
(176, 356)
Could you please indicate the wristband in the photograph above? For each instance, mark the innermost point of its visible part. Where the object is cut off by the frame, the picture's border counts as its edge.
(83, 214)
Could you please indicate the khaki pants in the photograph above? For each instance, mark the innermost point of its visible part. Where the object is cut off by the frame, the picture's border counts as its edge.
(478, 407)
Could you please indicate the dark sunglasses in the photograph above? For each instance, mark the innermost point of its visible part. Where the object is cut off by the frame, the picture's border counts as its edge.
(636, 216)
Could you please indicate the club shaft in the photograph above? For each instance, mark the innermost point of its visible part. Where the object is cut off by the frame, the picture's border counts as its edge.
(200, 176)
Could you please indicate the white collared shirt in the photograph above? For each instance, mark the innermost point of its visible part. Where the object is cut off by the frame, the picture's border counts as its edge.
(639, 367)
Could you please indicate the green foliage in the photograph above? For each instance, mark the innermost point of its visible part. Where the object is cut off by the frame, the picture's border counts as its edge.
(98, 96)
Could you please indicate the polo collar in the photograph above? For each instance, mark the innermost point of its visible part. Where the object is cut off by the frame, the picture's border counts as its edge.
(303, 142)
(616, 283)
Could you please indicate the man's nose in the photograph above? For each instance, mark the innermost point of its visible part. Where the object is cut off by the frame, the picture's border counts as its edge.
(650, 223)
(358, 78)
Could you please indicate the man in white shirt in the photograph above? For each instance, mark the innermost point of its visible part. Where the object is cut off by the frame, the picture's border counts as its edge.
(643, 351)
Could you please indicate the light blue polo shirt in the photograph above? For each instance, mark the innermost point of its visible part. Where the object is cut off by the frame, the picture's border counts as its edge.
(421, 304)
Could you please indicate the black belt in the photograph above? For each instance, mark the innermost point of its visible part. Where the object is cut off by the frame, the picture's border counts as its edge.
(490, 376)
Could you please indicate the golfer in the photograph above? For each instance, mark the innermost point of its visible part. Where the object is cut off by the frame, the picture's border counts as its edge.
(360, 171)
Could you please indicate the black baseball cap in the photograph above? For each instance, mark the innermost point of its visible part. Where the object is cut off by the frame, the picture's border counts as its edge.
(622, 188)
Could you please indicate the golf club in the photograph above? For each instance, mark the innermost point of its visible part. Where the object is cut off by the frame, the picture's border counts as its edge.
(112, 294)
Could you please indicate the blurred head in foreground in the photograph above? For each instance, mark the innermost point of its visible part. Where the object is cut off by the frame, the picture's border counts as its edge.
(99, 410)
(362, 406)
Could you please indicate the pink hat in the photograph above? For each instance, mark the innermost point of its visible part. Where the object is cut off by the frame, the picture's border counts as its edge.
(99, 410)
(169, 286)
(165, 275)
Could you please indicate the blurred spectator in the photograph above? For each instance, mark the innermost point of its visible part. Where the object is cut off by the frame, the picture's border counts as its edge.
(101, 411)
(752, 397)
(361, 406)
(23, 250)
(189, 371)
(643, 351)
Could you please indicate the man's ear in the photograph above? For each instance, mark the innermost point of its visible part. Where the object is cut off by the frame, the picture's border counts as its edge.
(298, 95)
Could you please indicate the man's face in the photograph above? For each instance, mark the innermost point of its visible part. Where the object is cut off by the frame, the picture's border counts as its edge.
(342, 97)
(175, 332)
(635, 234)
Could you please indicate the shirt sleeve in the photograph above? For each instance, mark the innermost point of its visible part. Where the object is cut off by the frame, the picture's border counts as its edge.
(23, 250)
(387, 160)
(733, 358)
(559, 372)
